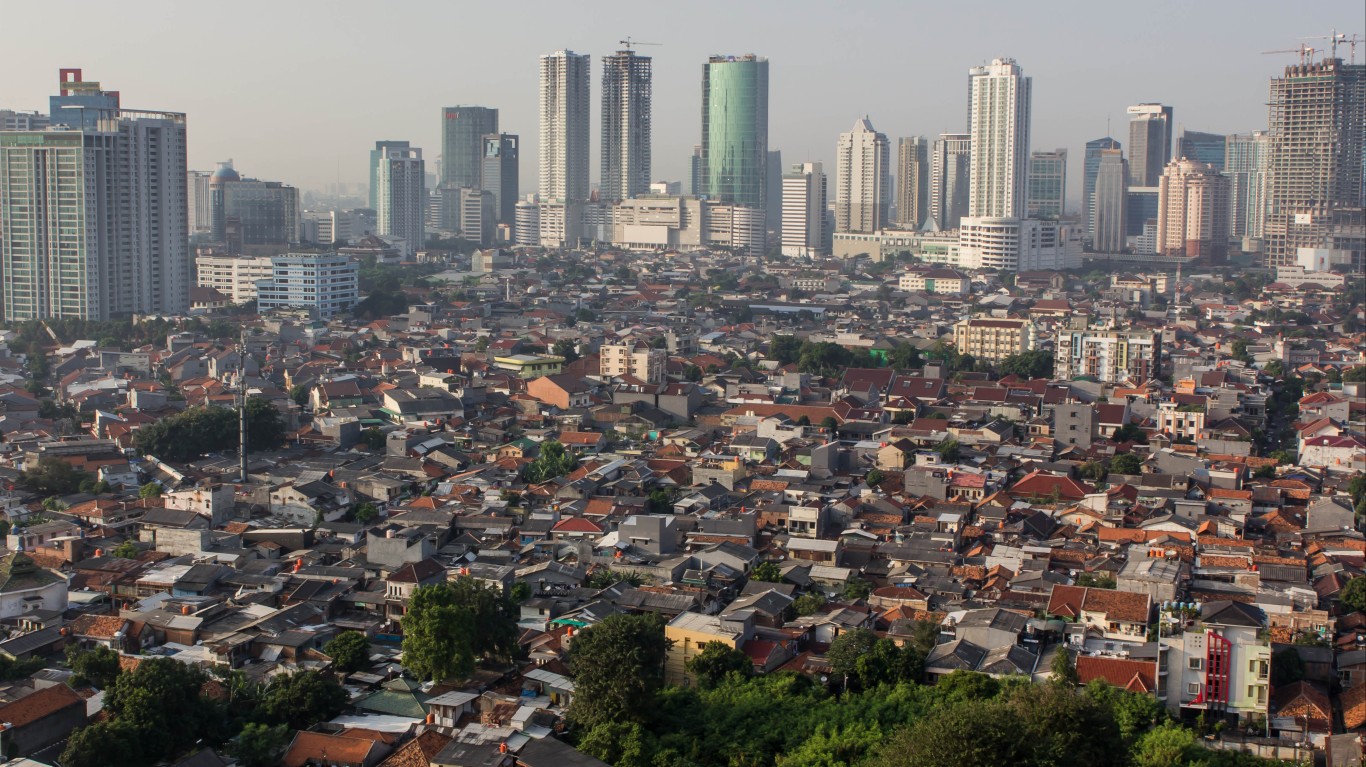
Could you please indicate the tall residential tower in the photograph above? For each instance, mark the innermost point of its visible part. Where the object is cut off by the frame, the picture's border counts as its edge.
(401, 196)
(564, 107)
(626, 84)
(998, 123)
(862, 186)
(1047, 184)
(949, 179)
(912, 182)
(1090, 166)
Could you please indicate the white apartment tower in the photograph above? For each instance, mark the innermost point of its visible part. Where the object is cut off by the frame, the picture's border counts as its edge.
(626, 83)
(1246, 158)
(401, 196)
(998, 124)
(803, 220)
(634, 359)
(564, 107)
(949, 179)
(862, 186)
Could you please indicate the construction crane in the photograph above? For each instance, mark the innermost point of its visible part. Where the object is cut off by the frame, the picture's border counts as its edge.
(1336, 37)
(628, 42)
(1306, 53)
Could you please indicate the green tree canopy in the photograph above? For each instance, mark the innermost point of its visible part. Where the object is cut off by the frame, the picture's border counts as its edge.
(766, 572)
(199, 430)
(438, 635)
(717, 662)
(1353, 595)
(53, 476)
(260, 745)
(553, 461)
(98, 666)
(106, 744)
(302, 699)
(1032, 364)
(617, 664)
(161, 700)
(349, 650)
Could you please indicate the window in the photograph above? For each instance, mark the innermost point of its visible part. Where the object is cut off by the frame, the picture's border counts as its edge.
(1193, 688)
(1259, 668)
(1196, 664)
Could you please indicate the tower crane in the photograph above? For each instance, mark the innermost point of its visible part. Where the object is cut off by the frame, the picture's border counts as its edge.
(1334, 38)
(1306, 53)
(628, 42)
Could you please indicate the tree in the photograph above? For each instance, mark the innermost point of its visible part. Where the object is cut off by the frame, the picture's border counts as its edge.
(1032, 364)
(848, 647)
(350, 651)
(520, 592)
(149, 490)
(105, 744)
(809, 603)
(766, 572)
(1276, 369)
(905, 356)
(659, 502)
(1130, 433)
(98, 666)
(1169, 745)
(553, 461)
(437, 635)
(1287, 666)
(365, 513)
(299, 394)
(873, 478)
(53, 476)
(692, 373)
(1098, 580)
(1353, 595)
(302, 699)
(1064, 669)
(260, 745)
(567, 349)
(495, 618)
(784, 349)
(126, 550)
(957, 736)
(1354, 375)
(1126, 463)
(372, 438)
(717, 662)
(829, 423)
(617, 664)
(160, 700)
(265, 426)
(856, 589)
(1356, 486)
(949, 451)
(1092, 470)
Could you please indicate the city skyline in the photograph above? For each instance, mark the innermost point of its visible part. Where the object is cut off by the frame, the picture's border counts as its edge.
(1223, 95)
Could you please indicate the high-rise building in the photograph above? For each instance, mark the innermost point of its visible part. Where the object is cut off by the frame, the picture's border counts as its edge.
(1317, 115)
(998, 123)
(1090, 166)
(735, 130)
(478, 215)
(251, 216)
(199, 204)
(1047, 184)
(498, 174)
(1150, 142)
(463, 129)
(949, 179)
(1140, 207)
(1107, 355)
(773, 185)
(912, 182)
(401, 202)
(1192, 212)
(564, 127)
(1109, 202)
(1246, 158)
(376, 155)
(14, 120)
(697, 183)
(626, 83)
(803, 225)
(324, 285)
(94, 215)
(1205, 148)
(862, 186)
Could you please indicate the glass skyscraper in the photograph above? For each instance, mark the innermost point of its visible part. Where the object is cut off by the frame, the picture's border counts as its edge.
(735, 129)
(1090, 166)
(1201, 147)
(1047, 196)
(463, 129)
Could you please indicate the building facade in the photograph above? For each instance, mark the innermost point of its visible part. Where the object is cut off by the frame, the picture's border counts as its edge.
(912, 182)
(993, 339)
(1109, 202)
(998, 118)
(401, 202)
(1202, 147)
(633, 359)
(233, 276)
(376, 155)
(804, 203)
(246, 214)
(949, 168)
(463, 129)
(734, 160)
(1150, 142)
(1193, 211)
(1047, 184)
(1107, 355)
(1246, 159)
(626, 91)
(1017, 244)
(862, 185)
(499, 173)
(323, 284)
(564, 104)
(1090, 167)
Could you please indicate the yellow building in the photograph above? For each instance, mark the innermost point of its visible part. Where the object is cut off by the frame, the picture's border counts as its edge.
(689, 632)
(992, 339)
(530, 365)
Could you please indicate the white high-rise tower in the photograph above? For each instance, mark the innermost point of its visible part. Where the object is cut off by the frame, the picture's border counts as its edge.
(998, 123)
(803, 220)
(862, 186)
(564, 127)
(626, 82)
(401, 196)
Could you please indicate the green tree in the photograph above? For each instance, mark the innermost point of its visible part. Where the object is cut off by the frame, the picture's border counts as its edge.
(874, 478)
(784, 349)
(949, 450)
(260, 745)
(1354, 375)
(349, 650)
(692, 373)
(300, 394)
(106, 744)
(809, 603)
(437, 635)
(1064, 669)
(905, 356)
(659, 502)
(126, 550)
(717, 662)
(766, 572)
(856, 589)
(495, 618)
(98, 666)
(365, 513)
(617, 665)
(1097, 580)
(520, 592)
(1356, 486)
(1353, 595)
(1130, 433)
(980, 735)
(829, 423)
(149, 490)
(1169, 745)
(553, 461)
(160, 700)
(53, 476)
(1287, 667)
(1092, 470)
(265, 426)
(302, 699)
(372, 438)
(1031, 364)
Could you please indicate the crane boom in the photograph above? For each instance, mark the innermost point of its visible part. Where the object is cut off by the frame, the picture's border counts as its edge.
(628, 42)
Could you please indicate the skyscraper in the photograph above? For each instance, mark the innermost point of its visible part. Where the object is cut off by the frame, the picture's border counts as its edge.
(376, 155)
(735, 129)
(401, 201)
(1091, 165)
(626, 83)
(1047, 184)
(564, 107)
(803, 222)
(1192, 212)
(862, 187)
(252, 216)
(998, 123)
(1246, 157)
(94, 214)
(1109, 202)
(1150, 143)
(949, 179)
(463, 129)
(1207, 148)
(697, 180)
(498, 174)
(912, 182)
(1317, 115)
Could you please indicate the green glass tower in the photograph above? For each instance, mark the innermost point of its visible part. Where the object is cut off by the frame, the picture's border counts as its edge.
(735, 130)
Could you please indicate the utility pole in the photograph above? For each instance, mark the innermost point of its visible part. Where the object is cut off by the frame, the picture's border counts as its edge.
(242, 407)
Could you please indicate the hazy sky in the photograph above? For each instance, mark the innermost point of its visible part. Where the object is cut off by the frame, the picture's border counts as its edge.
(298, 91)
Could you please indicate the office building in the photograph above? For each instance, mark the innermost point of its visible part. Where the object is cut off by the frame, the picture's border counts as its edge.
(697, 183)
(734, 160)
(1017, 244)
(478, 215)
(199, 204)
(376, 155)
(626, 83)
(912, 182)
(1047, 184)
(862, 186)
(1207, 148)
(324, 285)
(1090, 167)
(949, 179)
(1109, 202)
(1107, 355)
(499, 174)
(564, 105)
(1150, 143)
(998, 124)
(1317, 115)
(463, 129)
(527, 229)
(804, 203)
(773, 185)
(993, 339)
(1141, 206)
(1192, 212)
(633, 359)
(233, 276)
(94, 217)
(1246, 158)
(248, 215)
(401, 202)
(13, 120)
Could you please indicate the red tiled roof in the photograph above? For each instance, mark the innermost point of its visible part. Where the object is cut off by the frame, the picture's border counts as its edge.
(1126, 674)
(43, 703)
(339, 749)
(576, 525)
